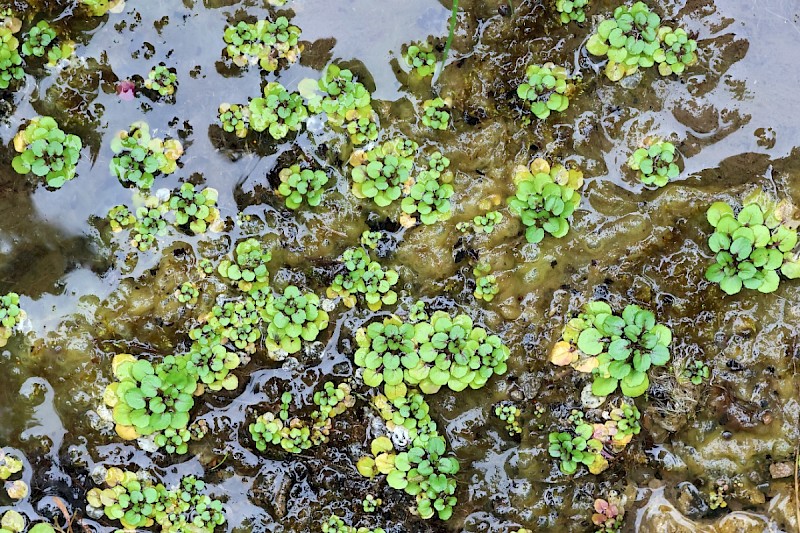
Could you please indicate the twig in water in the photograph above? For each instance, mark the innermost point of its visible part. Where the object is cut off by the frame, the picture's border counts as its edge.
(797, 486)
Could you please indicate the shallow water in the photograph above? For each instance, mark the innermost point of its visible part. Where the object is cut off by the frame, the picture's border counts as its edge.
(733, 117)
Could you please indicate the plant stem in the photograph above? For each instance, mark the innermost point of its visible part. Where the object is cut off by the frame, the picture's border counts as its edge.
(453, 22)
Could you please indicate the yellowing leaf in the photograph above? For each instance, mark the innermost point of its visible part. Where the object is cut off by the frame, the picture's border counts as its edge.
(119, 359)
(19, 142)
(540, 166)
(366, 467)
(126, 432)
(563, 354)
(599, 464)
(384, 462)
(586, 365)
(381, 444)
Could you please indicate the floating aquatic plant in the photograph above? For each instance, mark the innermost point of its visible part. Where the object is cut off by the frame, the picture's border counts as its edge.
(618, 350)
(140, 158)
(10, 60)
(677, 51)
(238, 322)
(435, 113)
(37, 39)
(473, 355)
(545, 199)
(195, 208)
(343, 95)
(547, 89)
(696, 373)
(629, 40)
(295, 434)
(235, 118)
(486, 285)
(370, 503)
(486, 223)
(249, 265)
(572, 10)
(188, 209)
(149, 399)
(334, 524)
(382, 173)
(11, 315)
(365, 277)
(626, 418)
(293, 317)
(46, 152)
(421, 58)
(370, 239)
(608, 513)
(9, 19)
(299, 185)
(41, 40)
(575, 449)
(431, 354)
(150, 223)
(417, 312)
(162, 80)
(120, 218)
(13, 522)
(264, 41)
(429, 196)
(11, 466)
(753, 246)
(137, 501)
(482, 223)
(345, 101)
(210, 359)
(656, 162)
(278, 112)
(386, 350)
(424, 470)
(510, 414)
(362, 126)
(187, 293)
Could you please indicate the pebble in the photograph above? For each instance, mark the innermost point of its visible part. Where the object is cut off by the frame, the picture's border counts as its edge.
(781, 470)
(589, 400)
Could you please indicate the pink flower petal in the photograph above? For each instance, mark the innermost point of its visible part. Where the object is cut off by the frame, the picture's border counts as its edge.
(126, 90)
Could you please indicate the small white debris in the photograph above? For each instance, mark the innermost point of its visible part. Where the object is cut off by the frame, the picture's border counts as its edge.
(589, 400)
(147, 444)
(328, 304)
